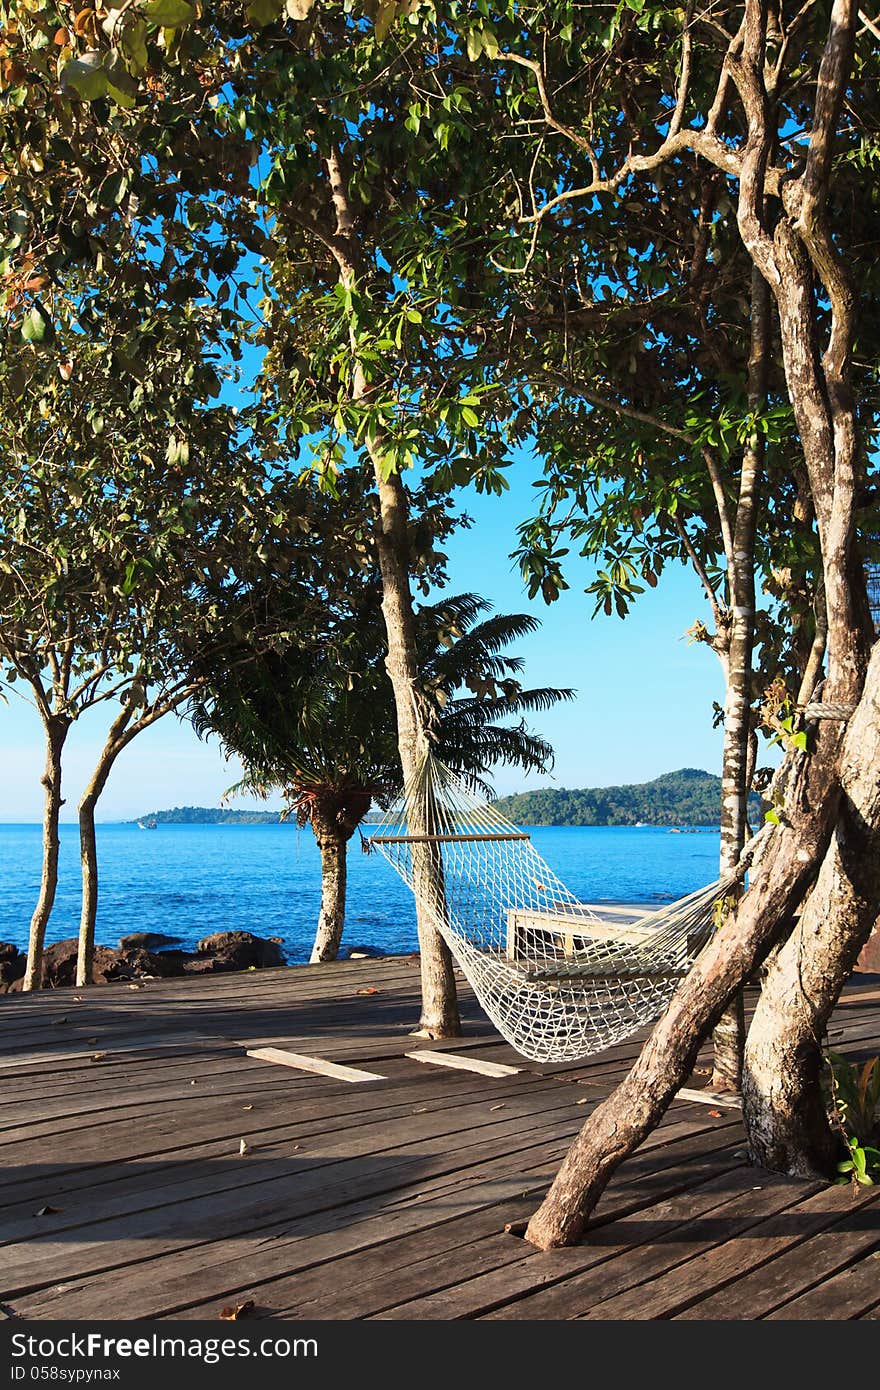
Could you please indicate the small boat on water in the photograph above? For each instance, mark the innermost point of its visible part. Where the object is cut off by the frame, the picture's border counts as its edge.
(147, 825)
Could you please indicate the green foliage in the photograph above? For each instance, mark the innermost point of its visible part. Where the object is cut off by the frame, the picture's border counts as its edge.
(853, 1094)
(687, 797)
(210, 815)
(314, 717)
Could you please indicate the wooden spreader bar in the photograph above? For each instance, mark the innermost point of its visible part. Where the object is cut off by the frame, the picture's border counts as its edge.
(442, 839)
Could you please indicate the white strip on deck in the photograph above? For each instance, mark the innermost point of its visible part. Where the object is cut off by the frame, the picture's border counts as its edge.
(719, 1098)
(455, 1060)
(315, 1064)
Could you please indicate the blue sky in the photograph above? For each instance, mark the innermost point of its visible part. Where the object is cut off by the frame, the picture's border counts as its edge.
(644, 702)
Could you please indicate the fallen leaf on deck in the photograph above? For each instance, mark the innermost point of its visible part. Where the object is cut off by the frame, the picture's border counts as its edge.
(57, 1021)
(48, 1211)
(584, 1100)
(235, 1311)
(244, 1107)
(98, 1056)
(496, 1107)
(243, 1148)
(716, 1115)
(366, 991)
(135, 986)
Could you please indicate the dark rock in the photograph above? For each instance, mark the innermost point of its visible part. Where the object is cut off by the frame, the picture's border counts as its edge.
(236, 950)
(59, 964)
(145, 940)
(134, 964)
(240, 950)
(12, 965)
(364, 953)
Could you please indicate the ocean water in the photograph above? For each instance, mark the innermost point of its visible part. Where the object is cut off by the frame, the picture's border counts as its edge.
(190, 880)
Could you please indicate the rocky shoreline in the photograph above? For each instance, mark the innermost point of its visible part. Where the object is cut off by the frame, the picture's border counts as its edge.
(137, 957)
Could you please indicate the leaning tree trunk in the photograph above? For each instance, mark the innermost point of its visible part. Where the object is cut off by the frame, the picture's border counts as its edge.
(729, 1036)
(332, 843)
(56, 732)
(439, 1016)
(622, 1121)
(783, 1108)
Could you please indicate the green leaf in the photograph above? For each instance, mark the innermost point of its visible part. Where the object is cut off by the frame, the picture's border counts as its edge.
(37, 326)
(263, 12)
(86, 76)
(170, 14)
(772, 817)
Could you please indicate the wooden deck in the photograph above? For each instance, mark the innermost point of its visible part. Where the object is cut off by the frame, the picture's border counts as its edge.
(125, 1194)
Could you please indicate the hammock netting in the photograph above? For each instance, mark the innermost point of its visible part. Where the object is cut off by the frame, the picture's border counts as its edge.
(558, 981)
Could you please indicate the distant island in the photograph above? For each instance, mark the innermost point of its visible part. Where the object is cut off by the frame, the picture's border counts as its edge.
(686, 797)
(206, 815)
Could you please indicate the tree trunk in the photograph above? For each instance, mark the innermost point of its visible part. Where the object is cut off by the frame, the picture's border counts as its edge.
(623, 1120)
(729, 1036)
(782, 1104)
(88, 858)
(56, 732)
(439, 1017)
(333, 846)
(88, 849)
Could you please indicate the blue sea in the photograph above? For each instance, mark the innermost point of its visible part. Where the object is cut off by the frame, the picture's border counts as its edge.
(190, 880)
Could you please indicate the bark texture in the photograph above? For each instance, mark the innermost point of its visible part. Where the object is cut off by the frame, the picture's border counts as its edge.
(622, 1121)
(729, 1035)
(56, 728)
(333, 845)
(782, 1104)
(334, 812)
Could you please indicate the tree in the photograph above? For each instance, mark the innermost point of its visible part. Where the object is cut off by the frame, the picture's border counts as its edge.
(131, 506)
(731, 109)
(368, 348)
(316, 719)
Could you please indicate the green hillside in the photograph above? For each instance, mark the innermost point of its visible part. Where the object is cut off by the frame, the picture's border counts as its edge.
(208, 815)
(686, 797)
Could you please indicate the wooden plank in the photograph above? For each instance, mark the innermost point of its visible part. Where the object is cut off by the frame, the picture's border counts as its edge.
(459, 1063)
(722, 1099)
(315, 1064)
(757, 1293)
(850, 1294)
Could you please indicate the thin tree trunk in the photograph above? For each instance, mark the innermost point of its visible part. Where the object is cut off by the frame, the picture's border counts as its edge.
(333, 846)
(56, 729)
(633, 1109)
(88, 857)
(122, 731)
(782, 1103)
(729, 1036)
(439, 1016)
(88, 849)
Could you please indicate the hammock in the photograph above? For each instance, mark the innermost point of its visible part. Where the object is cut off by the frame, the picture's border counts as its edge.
(558, 982)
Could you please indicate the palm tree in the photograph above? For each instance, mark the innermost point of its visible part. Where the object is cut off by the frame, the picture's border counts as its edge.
(315, 720)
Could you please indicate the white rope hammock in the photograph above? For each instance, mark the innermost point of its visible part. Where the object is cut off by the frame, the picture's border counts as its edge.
(558, 982)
